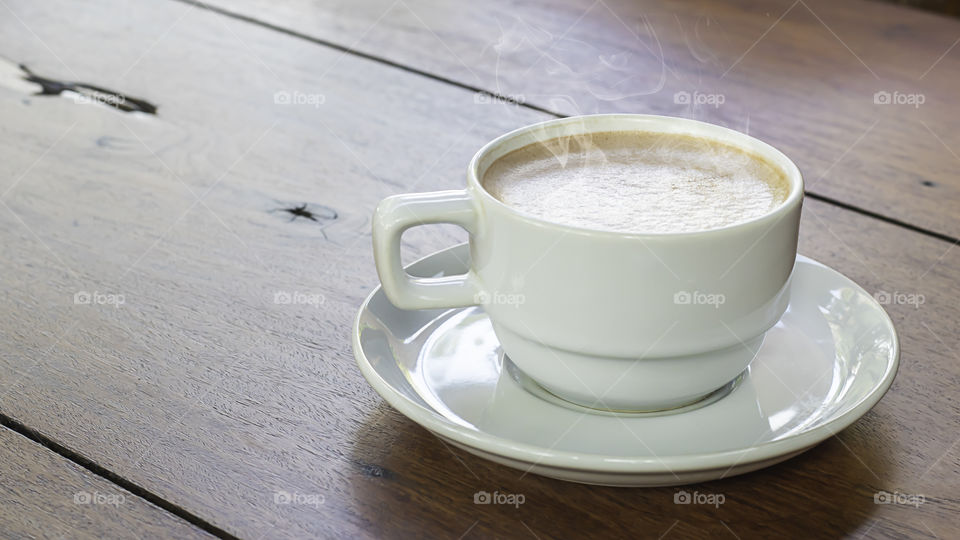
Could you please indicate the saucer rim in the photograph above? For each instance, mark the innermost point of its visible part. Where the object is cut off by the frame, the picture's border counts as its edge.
(590, 462)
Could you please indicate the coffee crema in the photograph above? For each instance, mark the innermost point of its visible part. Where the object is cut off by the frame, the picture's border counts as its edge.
(637, 182)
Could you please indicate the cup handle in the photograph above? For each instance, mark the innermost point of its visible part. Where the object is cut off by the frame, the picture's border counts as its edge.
(400, 212)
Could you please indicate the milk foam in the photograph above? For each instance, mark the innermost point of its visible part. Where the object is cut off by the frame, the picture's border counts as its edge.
(637, 182)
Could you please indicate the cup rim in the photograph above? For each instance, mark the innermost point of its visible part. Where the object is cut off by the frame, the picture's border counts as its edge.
(650, 122)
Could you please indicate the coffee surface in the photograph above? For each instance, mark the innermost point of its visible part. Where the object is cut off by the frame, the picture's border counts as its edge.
(639, 182)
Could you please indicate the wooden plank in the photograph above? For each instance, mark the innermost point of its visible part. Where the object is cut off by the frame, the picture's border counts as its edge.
(44, 495)
(801, 75)
(203, 390)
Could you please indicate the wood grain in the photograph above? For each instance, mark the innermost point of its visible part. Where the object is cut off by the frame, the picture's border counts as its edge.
(204, 390)
(799, 74)
(43, 495)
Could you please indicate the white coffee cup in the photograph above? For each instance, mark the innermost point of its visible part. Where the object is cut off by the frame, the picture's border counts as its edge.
(622, 321)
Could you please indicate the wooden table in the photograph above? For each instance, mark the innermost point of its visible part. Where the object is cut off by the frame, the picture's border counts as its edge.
(150, 384)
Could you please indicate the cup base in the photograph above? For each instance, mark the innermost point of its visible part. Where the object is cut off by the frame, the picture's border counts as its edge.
(535, 388)
(627, 384)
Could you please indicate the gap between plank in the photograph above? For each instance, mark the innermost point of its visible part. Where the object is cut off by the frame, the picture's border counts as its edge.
(508, 99)
(361, 54)
(893, 221)
(113, 477)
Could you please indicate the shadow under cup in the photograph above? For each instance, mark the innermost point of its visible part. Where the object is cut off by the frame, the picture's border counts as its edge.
(608, 320)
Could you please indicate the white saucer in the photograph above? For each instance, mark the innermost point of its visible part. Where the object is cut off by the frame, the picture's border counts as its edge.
(824, 365)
